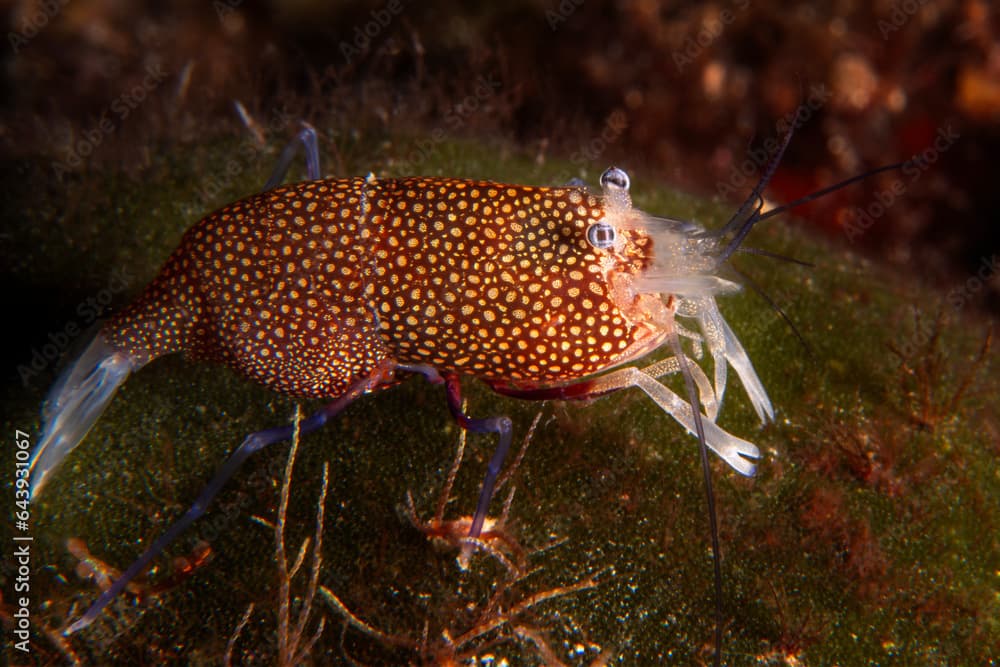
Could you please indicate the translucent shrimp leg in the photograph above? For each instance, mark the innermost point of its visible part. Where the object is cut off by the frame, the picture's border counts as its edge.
(709, 396)
(726, 350)
(500, 425)
(738, 453)
(86, 388)
(251, 444)
(307, 139)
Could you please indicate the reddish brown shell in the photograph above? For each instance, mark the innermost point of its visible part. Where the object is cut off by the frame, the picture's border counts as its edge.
(308, 287)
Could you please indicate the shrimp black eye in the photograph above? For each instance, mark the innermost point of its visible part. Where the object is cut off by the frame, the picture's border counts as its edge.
(601, 235)
(616, 178)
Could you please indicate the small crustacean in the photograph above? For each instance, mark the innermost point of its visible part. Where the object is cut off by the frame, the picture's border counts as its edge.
(334, 288)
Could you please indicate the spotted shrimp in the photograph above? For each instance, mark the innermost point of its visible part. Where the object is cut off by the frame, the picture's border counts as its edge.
(339, 287)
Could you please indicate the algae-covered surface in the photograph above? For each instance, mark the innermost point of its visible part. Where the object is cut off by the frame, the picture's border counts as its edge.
(868, 536)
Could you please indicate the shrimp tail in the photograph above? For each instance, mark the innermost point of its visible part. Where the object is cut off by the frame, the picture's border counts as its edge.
(75, 403)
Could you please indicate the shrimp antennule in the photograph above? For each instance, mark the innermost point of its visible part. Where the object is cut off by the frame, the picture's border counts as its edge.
(737, 223)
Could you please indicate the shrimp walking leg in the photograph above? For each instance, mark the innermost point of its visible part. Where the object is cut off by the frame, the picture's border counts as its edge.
(502, 427)
(307, 139)
(253, 443)
(87, 386)
(738, 453)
